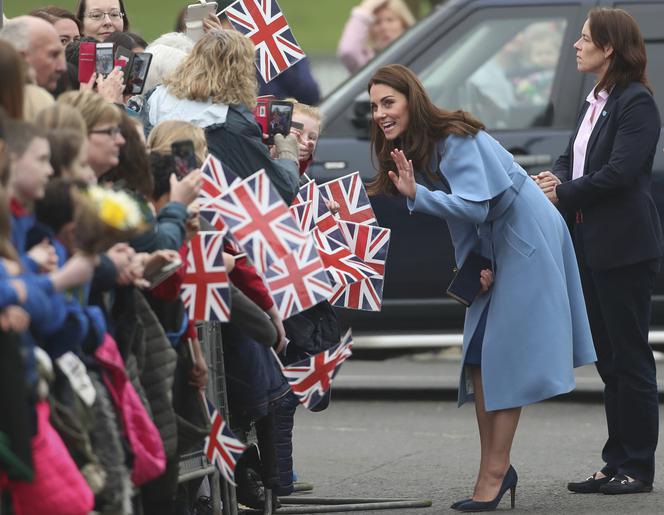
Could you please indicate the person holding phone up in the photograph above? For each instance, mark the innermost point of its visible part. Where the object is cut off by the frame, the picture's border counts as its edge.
(214, 87)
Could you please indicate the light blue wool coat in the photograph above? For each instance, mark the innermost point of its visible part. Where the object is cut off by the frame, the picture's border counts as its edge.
(537, 328)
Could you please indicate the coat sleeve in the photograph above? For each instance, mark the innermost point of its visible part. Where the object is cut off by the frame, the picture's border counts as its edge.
(475, 170)
(246, 278)
(638, 128)
(238, 144)
(448, 206)
(352, 48)
(167, 232)
(8, 295)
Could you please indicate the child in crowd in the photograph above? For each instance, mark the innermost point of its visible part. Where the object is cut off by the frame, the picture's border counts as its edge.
(313, 330)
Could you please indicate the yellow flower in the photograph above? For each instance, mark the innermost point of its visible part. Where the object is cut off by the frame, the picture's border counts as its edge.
(116, 208)
(111, 213)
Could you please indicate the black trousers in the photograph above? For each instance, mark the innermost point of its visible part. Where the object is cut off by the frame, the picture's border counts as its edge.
(618, 301)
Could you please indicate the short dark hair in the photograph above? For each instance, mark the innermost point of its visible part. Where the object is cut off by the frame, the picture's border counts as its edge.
(138, 39)
(618, 29)
(128, 40)
(161, 167)
(56, 208)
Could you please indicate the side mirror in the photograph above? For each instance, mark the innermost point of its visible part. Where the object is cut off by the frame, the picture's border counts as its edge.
(362, 112)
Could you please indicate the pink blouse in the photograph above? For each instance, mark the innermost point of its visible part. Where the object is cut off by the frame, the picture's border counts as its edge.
(595, 110)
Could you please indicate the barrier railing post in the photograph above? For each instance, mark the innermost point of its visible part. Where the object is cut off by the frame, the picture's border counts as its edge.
(217, 392)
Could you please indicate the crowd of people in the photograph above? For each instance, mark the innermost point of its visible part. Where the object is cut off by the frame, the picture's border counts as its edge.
(101, 369)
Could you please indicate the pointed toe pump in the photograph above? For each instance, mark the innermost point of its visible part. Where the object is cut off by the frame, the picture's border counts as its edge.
(509, 483)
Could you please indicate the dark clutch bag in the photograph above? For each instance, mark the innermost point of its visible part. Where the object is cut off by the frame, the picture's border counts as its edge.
(466, 283)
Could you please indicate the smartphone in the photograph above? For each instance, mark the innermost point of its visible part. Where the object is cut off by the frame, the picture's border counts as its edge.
(137, 72)
(193, 21)
(123, 58)
(279, 119)
(184, 156)
(104, 58)
(297, 126)
(86, 61)
(159, 276)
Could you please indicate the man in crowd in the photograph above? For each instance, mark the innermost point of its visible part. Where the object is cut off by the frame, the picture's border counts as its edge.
(38, 42)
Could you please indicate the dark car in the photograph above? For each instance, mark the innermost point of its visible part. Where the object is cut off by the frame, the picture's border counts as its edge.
(512, 64)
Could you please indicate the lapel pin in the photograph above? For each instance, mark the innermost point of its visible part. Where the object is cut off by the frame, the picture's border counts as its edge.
(603, 113)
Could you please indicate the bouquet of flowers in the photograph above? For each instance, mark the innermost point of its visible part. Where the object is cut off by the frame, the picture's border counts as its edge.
(104, 217)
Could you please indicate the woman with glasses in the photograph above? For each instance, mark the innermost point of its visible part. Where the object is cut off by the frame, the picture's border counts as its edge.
(102, 120)
(100, 18)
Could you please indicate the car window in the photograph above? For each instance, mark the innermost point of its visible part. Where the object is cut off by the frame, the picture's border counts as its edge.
(502, 71)
(655, 50)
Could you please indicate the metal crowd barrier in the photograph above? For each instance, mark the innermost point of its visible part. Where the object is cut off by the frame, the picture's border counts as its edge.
(195, 465)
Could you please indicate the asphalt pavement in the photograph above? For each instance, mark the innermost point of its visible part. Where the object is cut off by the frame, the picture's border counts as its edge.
(430, 449)
(393, 430)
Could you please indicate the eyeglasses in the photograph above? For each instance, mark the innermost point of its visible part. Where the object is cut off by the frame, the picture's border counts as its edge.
(113, 14)
(111, 131)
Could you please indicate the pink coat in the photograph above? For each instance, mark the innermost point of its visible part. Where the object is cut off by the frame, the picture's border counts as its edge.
(58, 488)
(354, 50)
(142, 434)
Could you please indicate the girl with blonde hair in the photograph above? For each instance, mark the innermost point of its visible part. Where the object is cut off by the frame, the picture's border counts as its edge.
(214, 88)
(372, 26)
(169, 131)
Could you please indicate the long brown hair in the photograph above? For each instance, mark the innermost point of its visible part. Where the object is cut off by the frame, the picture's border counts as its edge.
(133, 170)
(7, 250)
(618, 29)
(12, 70)
(427, 124)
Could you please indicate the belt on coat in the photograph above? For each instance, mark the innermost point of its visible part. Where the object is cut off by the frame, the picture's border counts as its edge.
(506, 199)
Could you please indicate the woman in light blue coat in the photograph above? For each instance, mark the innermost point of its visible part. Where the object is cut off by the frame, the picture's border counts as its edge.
(528, 328)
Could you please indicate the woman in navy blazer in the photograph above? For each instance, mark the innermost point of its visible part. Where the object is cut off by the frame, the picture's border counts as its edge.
(603, 184)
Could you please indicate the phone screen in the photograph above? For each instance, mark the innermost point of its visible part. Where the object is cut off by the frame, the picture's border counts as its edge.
(184, 156)
(279, 119)
(138, 71)
(104, 55)
(123, 58)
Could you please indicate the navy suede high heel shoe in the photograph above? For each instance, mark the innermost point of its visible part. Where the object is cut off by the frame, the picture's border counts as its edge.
(509, 483)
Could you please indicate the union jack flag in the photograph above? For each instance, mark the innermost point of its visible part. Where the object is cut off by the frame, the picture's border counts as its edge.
(221, 446)
(303, 215)
(368, 242)
(260, 221)
(263, 22)
(315, 213)
(216, 180)
(349, 192)
(205, 288)
(343, 267)
(298, 281)
(309, 379)
(365, 295)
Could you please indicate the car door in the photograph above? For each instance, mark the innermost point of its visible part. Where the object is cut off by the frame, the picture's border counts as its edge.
(510, 64)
